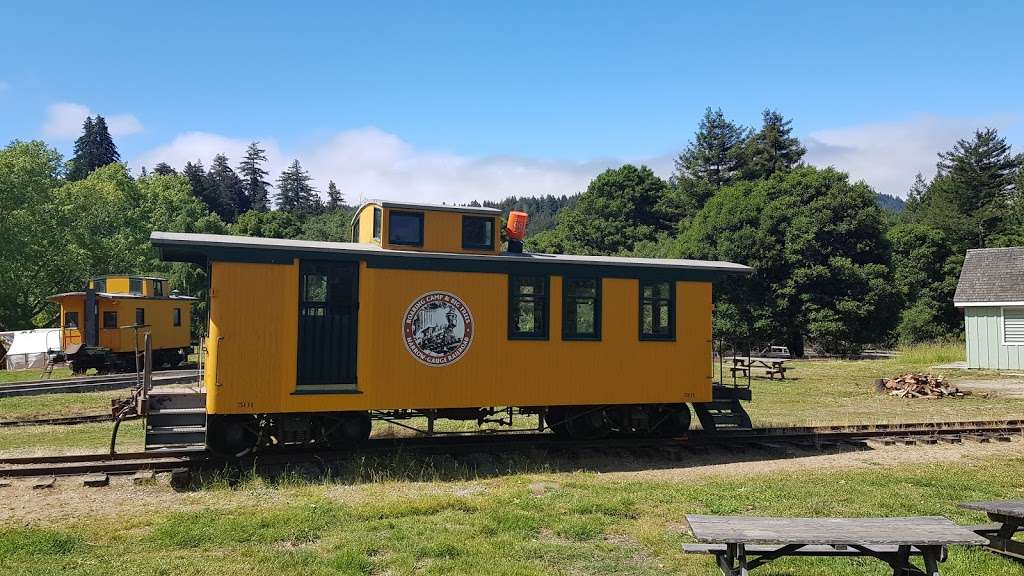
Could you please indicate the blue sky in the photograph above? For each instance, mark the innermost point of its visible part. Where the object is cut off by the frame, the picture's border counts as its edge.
(460, 100)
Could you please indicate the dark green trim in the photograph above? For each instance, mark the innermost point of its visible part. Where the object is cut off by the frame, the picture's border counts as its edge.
(324, 392)
(353, 335)
(494, 225)
(571, 336)
(671, 336)
(418, 215)
(541, 334)
(524, 265)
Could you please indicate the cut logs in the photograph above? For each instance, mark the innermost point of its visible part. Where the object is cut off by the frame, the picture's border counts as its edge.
(920, 386)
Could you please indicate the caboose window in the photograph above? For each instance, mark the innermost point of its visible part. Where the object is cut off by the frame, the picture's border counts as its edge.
(158, 288)
(109, 319)
(581, 309)
(135, 285)
(377, 219)
(71, 319)
(528, 308)
(99, 285)
(176, 317)
(477, 233)
(657, 310)
(405, 228)
(140, 316)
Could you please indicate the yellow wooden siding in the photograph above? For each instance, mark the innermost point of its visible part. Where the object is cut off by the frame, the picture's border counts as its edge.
(365, 217)
(70, 336)
(117, 285)
(254, 325)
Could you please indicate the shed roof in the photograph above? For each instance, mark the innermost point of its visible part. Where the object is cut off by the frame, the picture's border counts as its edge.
(991, 276)
(187, 247)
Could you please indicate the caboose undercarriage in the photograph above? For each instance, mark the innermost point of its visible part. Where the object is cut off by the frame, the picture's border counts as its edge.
(239, 434)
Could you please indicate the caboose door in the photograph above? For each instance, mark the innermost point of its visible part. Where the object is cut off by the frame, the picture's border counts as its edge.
(328, 311)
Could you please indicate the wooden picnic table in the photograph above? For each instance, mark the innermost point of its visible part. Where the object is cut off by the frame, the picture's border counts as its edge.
(742, 543)
(772, 366)
(1008, 519)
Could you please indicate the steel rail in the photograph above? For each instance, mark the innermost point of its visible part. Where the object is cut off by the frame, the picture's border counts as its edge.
(92, 386)
(165, 460)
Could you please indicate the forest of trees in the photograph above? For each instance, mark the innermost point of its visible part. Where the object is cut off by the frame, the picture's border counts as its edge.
(836, 265)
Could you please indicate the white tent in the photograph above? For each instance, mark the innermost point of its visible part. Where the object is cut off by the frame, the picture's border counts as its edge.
(30, 347)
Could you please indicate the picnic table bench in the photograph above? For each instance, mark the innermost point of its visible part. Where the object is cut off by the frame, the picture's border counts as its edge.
(742, 543)
(772, 366)
(1008, 519)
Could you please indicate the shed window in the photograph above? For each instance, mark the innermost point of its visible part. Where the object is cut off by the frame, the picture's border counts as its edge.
(477, 233)
(176, 317)
(110, 319)
(378, 216)
(528, 308)
(581, 309)
(71, 319)
(140, 316)
(135, 285)
(405, 228)
(657, 310)
(1013, 325)
(158, 288)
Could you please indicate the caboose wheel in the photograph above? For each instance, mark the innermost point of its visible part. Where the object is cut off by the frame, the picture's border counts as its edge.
(555, 420)
(347, 428)
(232, 435)
(587, 423)
(670, 419)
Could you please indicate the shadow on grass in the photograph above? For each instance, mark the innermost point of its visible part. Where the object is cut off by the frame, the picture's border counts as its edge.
(415, 466)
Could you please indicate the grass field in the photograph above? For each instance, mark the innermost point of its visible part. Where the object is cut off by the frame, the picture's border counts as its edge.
(577, 523)
(25, 375)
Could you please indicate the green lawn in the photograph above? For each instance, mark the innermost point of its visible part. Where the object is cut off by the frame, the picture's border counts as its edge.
(24, 375)
(571, 524)
(56, 405)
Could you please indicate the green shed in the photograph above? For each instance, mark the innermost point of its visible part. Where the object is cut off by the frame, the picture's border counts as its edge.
(991, 293)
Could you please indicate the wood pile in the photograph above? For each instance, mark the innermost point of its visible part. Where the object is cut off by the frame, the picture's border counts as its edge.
(920, 386)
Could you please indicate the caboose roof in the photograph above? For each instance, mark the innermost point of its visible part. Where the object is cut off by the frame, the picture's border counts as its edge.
(201, 248)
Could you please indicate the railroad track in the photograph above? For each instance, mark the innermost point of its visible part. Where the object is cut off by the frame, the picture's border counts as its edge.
(93, 383)
(764, 439)
(63, 420)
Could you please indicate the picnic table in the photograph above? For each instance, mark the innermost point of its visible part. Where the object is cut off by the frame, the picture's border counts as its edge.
(742, 543)
(773, 366)
(1008, 519)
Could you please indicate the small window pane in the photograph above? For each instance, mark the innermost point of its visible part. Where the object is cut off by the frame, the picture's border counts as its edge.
(314, 288)
(657, 316)
(158, 288)
(140, 316)
(176, 319)
(71, 319)
(405, 228)
(100, 285)
(528, 307)
(110, 319)
(581, 305)
(477, 233)
(378, 218)
(135, 285)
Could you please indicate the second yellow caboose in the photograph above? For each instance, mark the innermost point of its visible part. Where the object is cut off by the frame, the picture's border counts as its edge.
(425, 316)
(103, 325)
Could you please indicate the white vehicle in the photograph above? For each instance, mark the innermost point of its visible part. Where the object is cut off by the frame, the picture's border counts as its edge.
(776, 352)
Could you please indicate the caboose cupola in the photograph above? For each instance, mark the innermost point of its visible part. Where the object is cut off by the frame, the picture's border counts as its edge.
(428, 227)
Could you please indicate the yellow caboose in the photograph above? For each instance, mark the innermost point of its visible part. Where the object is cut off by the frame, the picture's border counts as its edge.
(425, 316)
(103, 325)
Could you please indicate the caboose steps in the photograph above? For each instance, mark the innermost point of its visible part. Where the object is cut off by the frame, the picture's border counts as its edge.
(722, 415)
(175, 418)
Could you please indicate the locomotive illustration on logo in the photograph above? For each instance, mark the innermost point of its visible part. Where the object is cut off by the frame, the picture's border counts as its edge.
(438, 328)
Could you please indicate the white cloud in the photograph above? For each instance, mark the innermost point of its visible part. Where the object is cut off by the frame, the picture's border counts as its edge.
(370, 163)
(888, 155)
(64, 121)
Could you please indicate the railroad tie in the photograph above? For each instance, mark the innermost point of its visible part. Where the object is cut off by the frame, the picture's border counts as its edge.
(44, 482)
(143, 477)
(96, 480)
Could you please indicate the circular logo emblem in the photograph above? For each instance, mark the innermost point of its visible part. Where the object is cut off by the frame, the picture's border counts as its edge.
(437, 328)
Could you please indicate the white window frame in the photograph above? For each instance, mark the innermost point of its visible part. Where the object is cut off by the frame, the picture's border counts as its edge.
(1002, 326)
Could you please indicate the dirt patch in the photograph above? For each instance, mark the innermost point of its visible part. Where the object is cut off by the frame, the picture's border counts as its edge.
(997, 388)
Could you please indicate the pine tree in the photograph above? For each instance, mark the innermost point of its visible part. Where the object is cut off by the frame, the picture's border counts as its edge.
(196, 175)
(93, 149)
(717, 155)
(164, 169)
(334, 197)
(294, 193)
(254, 184)
(772, 148)
(225, 190)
